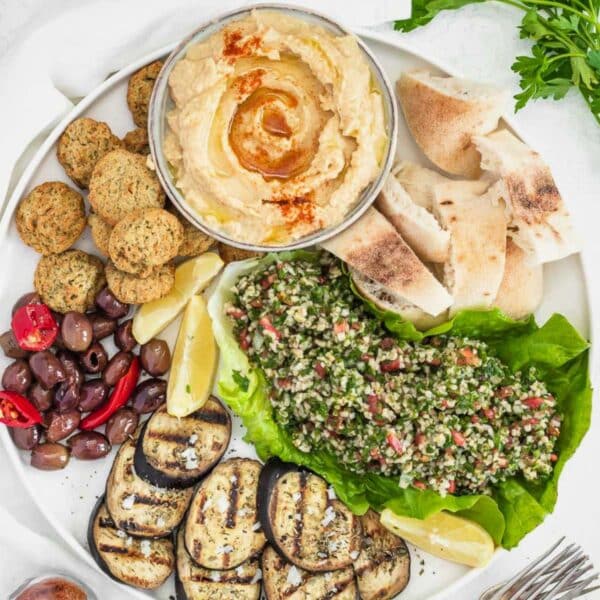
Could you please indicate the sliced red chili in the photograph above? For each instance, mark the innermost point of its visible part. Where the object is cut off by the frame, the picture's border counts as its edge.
(17, 411)
(121, 393)
(35, 327)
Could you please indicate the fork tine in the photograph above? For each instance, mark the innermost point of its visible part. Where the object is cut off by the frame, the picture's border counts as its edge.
(568, 574)
(547, 573)
(581, 590)
(526, 571)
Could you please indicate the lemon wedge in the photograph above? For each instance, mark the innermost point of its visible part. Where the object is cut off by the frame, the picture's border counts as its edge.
(445, 535)
(191, 277)
(194, 361)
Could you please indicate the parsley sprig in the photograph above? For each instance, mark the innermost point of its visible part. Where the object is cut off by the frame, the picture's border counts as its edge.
(565, 51)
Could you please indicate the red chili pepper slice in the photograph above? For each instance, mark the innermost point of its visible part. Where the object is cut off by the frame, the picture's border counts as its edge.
(17, 411)
(121, 393)
(35, 327)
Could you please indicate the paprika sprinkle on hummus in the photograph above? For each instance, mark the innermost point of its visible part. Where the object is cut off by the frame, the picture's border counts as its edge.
(276, 130)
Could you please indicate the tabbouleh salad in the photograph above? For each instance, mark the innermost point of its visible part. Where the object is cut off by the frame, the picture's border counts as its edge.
(443, 414)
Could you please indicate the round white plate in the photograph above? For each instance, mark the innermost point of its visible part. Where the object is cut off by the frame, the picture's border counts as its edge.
(67, 497)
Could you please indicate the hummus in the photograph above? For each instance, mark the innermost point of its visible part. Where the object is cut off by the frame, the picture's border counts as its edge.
(277, 128)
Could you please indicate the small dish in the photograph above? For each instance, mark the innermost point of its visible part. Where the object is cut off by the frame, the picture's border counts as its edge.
(49, 578)
(161, 103)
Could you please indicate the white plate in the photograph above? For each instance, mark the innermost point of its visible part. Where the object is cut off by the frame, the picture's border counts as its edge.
(67, 497)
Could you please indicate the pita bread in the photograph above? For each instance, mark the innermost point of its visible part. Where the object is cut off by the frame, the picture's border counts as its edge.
(443, 113)
(419, 228)
(522, 286)
(539, 222)
(385, 299)
(418, 181)
(374, 248)
(477, 223)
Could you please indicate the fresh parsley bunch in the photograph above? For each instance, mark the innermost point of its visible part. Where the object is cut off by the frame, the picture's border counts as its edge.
(565, 53)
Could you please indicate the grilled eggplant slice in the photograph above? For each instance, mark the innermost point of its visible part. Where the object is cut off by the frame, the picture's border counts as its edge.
(383, 565)
(176, 453)
(196, 583)
(222, 529)
(284, 581)
(139, 507)
(139, 562)
(303, 521)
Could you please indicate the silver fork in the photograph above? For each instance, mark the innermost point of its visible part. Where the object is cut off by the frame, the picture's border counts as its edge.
(558, 574)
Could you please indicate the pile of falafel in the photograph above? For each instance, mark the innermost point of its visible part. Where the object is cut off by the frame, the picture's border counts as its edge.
(131, 223)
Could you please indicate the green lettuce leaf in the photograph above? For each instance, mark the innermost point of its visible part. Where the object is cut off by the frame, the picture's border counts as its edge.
(515, 507)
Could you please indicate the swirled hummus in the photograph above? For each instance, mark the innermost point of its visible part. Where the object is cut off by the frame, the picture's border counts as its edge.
(277, 128)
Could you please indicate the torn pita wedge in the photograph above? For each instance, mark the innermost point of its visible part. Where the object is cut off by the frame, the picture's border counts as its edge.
(419, 228)
(374, 248)
(418, 181)
(538, 221)
(522, 285)
(477, 223)
(385, 299)
(443, 113)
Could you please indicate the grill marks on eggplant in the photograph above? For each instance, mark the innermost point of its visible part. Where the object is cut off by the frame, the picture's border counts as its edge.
(222, 529)
(383, 566)
(175, 452)
(284, 581)
(141, 563)
(139, 507)
(309, 528)
(197, 583)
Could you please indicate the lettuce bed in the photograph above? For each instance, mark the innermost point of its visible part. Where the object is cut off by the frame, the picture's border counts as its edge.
(516, 507)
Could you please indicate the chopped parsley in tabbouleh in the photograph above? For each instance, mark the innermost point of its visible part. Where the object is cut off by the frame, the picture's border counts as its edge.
(443, 414)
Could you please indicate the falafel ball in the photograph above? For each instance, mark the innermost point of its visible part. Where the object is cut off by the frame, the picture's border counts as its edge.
(122, 183)
(51, 217)
(231, 253)
(139, 90)
(144, 240)
(131, 289)
(69, 280)
(82, 144)
(136, 141)
(101, 231)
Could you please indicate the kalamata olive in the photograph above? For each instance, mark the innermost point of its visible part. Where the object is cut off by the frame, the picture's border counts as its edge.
(149, 395)
(92, 394)
(66, 396)
(10, 347)
(102, 326)
(17, 377)
(76, 330)
(46, 368)
(155, 357)
(121, 425)
(109, 305)
(40, 397)
(117, 367)
(124, 337)
(94, 359)
(70, 363)
(59, 425)
(26, 437)
(49, 456)
(25, 299)
(88, 445)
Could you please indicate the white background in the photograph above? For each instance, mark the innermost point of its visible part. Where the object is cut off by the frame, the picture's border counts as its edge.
(481, 41)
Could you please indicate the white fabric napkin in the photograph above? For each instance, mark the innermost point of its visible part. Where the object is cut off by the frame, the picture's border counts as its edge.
(59, 63)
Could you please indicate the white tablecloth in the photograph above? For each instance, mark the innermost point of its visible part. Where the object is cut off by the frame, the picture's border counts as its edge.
(52, 53)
